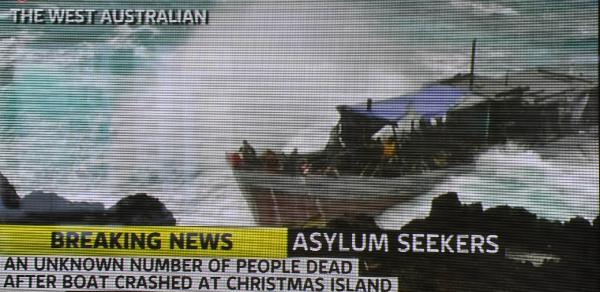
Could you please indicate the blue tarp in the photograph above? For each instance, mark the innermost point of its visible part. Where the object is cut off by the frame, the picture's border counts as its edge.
(431, 101)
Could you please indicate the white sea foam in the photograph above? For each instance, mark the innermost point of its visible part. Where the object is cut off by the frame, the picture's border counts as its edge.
(485, 8)
(518, 177)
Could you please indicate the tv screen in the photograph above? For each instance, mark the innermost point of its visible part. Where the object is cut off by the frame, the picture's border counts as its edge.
(299, 145)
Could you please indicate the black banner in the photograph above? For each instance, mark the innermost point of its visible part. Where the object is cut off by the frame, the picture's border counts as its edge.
(345, 243)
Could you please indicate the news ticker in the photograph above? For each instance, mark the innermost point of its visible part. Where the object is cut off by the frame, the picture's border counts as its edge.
(153, 258)
(242, 242)
(38, 273)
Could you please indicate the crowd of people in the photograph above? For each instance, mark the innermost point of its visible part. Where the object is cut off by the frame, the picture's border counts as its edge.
(412, 153)
(269, 160)
(397, 156)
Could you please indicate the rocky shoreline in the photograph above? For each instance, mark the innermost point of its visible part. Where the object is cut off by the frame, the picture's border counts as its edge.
(40, 207)
(537, 254)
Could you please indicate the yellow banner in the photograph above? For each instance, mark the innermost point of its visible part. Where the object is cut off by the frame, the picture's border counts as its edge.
(184, 241)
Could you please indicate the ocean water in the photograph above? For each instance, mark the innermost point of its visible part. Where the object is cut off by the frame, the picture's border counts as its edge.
(95, 113)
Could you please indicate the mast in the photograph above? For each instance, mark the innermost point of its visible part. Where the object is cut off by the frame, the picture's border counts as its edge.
(472, 64)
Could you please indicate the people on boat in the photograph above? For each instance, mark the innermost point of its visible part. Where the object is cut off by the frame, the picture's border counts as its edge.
(248, 154)
(389, 149)
(270, 161)
(380, 157)
(373, 154)
(235, 160)
(304, 167)
(440, 159)
(290, 163)
(385, 157)
(331, 171)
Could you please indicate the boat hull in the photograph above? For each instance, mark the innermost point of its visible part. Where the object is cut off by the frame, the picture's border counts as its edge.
(284, 200)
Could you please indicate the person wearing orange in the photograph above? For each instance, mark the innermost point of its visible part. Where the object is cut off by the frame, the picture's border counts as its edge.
(389, 149)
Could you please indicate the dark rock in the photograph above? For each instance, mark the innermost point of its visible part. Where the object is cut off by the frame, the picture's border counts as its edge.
(141, 209)
(579, 223)
(445, 207)
(575, 244)
(10, 198)
(41, 202)
(580, 242)
(516, 226)
(447, 214)
(49, 208)
(40, 207)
